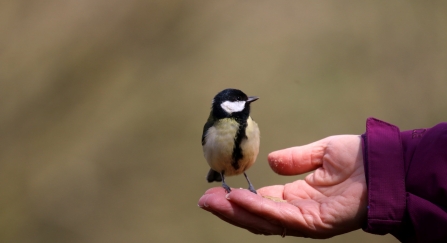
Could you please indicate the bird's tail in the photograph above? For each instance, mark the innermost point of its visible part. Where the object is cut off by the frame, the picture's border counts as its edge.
(213, 176)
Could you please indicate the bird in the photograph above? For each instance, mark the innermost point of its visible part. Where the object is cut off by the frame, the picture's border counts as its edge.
(230, 138)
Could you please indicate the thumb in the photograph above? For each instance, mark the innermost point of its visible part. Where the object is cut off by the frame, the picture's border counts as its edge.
(298, 160)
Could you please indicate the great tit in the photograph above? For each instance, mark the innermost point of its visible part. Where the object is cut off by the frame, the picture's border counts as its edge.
(230, 138)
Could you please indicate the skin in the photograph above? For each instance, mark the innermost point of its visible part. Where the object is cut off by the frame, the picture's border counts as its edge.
(329, 201)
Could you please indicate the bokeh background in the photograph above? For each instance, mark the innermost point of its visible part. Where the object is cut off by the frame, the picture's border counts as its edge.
(102, 103)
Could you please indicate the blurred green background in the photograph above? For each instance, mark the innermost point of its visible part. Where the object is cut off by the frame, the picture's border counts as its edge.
(102, 103)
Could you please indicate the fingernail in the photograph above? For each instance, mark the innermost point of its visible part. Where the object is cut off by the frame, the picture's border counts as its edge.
(202, 202)
(227, 196)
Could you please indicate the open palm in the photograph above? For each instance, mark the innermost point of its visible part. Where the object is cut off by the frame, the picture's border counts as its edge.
(328, 202)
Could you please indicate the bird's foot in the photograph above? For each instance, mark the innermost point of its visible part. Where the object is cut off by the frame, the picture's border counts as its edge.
(226, 187)
(252, 189)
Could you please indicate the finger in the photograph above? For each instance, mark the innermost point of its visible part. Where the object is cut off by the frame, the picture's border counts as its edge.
(298, 160)
(282, 214)
(214, 201)
(250, 222)
(219, 192)
(242, 218)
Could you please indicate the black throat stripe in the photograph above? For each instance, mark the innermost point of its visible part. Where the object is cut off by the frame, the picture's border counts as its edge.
(237, 150)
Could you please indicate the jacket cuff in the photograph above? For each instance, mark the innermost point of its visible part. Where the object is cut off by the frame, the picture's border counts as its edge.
(385, 177)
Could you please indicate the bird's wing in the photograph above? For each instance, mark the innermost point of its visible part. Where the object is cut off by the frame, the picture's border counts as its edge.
(209, 123)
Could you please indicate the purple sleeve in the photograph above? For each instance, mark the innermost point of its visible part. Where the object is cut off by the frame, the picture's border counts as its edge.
(406, 175)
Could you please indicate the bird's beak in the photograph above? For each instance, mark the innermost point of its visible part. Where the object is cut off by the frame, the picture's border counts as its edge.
(252, 98)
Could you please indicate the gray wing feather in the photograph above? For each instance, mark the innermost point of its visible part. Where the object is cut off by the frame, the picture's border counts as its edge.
(207, 126)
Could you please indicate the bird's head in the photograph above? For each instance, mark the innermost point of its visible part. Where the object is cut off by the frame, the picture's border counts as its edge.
(232, 102)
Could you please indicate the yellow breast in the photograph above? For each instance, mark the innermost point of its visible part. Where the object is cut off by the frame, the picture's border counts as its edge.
(219, 145)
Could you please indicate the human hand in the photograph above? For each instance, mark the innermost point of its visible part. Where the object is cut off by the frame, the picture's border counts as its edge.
(328, 202)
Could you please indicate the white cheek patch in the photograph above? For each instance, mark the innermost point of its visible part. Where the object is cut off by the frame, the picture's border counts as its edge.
(233, 106)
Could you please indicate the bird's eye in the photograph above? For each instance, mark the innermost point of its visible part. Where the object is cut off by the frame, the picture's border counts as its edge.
(238, 98)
